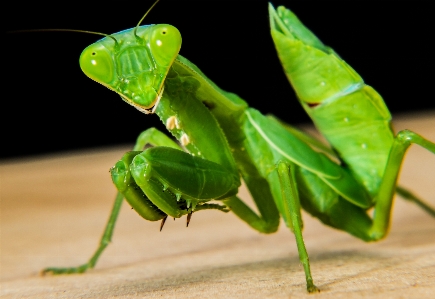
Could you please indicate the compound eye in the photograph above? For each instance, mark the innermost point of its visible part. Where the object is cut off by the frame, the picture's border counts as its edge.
(97, 64)
(165, 44)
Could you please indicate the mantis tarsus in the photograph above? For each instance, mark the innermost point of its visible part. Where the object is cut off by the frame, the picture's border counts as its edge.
(275, 161)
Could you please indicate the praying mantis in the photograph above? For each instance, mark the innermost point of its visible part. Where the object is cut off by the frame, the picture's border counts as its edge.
(276, 161)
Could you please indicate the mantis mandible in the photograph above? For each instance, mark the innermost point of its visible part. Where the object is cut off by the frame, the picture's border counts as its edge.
(277, 162)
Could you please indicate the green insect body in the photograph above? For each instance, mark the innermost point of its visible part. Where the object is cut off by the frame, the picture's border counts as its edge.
(350, 115)
(223, 140)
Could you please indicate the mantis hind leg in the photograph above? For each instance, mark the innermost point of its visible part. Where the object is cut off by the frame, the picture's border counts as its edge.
(150, 136)
(345, 216)
(408, 195)
(384, 198)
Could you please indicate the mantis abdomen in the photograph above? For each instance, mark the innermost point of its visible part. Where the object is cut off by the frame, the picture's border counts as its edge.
(352, 116)
(358, 127)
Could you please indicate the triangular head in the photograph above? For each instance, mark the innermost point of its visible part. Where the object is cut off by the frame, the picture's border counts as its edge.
(134, 63)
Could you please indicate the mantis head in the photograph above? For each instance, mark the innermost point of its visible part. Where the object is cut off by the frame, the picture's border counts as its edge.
(134, 62)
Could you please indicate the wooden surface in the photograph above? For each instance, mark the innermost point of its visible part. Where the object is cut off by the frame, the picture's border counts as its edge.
(53, 211)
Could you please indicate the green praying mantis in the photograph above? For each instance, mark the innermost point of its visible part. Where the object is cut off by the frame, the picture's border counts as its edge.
(222, 141)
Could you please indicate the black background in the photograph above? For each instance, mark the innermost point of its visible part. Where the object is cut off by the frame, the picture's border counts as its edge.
(48, 105)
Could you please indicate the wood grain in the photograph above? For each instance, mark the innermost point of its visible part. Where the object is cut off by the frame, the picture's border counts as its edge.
(53, 211)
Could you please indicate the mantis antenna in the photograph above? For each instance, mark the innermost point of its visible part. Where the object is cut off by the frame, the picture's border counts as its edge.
(65, 30)
(137, 26)
(87, 31)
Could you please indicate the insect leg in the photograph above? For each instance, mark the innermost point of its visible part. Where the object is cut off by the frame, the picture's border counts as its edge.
(268, 220)
(105, 240)
(154, 137)
(150, 136)
(384, 198)
(408, 195)
(292, 212)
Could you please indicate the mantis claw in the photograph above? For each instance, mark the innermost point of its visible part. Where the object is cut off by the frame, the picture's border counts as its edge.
(163, 222)
(189, 216)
